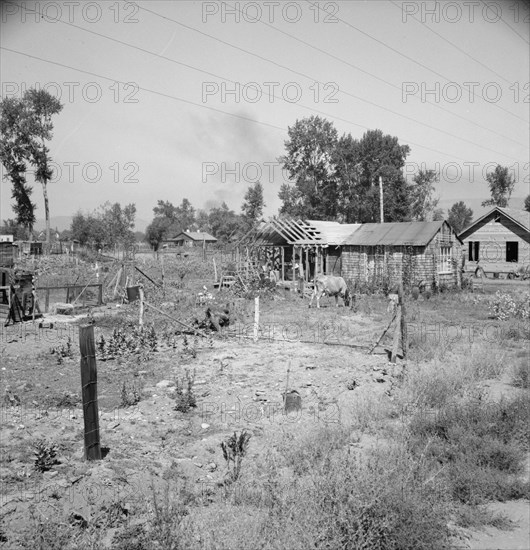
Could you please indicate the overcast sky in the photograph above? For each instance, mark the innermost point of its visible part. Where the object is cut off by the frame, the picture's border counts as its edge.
(453, 84)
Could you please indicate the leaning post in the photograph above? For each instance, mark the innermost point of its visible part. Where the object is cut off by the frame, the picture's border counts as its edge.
(89, 391)
(404, 329)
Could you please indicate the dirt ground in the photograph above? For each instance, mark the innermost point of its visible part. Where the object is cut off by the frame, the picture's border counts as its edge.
(322, 354)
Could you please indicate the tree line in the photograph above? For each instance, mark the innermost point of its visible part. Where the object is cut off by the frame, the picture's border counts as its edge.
(332, 178)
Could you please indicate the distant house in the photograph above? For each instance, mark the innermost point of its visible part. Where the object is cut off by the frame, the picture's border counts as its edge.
(427, 253)
(190, 238)
(499, 241)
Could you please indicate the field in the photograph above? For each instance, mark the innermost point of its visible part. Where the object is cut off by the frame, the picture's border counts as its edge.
(431, 452)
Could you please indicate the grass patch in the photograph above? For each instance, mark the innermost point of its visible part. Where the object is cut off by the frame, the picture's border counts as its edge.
(479, 445)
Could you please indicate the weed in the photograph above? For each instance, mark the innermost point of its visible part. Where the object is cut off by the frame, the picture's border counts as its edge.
(130, 395)
(64, 351)
(184, 394)
(45, 456)
(234, 450)
(521, 375)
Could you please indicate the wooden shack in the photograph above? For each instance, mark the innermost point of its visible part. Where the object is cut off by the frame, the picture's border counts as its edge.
(190, 239)
(296, 248)
(413, 253)
(498, 242)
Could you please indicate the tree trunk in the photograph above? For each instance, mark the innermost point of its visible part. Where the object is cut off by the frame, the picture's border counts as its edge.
(47, 215)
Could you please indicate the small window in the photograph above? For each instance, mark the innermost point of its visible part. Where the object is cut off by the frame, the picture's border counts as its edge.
(473, 251)
(512, 251)
(445, 259)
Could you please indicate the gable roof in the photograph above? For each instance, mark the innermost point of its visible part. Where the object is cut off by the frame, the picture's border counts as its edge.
(394, 234)
(519, 217)
(194, 236)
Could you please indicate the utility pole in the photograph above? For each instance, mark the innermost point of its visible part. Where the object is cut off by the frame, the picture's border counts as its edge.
(381, 211)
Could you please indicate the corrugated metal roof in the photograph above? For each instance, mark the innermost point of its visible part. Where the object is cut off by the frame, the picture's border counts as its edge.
(333, 233)
(394, 234)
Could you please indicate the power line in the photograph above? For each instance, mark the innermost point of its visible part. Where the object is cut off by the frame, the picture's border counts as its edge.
(156, 92)
(114, 80)
(328, 54)
(191, 67)
(368, 35)
(509, 26)
(454, 45)
(340, 91)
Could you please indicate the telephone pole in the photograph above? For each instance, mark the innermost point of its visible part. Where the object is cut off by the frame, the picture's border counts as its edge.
(381, 211)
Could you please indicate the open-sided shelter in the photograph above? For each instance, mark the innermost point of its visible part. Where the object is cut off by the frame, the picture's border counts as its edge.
(282, 243)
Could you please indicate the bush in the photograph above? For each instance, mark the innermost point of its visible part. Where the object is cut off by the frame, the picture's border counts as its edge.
(505, 306)
(521, 375)
(480, 446)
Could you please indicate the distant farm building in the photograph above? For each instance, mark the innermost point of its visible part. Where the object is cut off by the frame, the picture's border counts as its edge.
(415, 253)
(498, 242)
(190, 238)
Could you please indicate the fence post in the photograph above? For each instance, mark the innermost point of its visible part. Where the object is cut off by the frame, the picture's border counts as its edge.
(404, 330)
(89, 389)
(47, 301)
(256, 318)
(100, 294)
(141, 292)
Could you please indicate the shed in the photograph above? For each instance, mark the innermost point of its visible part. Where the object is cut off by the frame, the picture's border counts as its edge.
(190, 238)
(283, 243)
(499, 241)
(412, 253)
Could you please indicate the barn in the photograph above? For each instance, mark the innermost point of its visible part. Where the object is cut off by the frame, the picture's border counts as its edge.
(499, 242)
(190, 238)
(412, 253)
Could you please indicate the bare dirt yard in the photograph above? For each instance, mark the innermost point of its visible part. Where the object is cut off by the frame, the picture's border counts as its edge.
(200, 452)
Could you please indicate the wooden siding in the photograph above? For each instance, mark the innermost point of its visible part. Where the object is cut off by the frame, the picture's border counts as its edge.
(493, 237)
(396, 264)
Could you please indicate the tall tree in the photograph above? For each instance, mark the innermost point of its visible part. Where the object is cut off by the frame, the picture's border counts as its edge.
(309, 164)
(358, 166)
(501, 185)
(252, 208)
(40, 107)
(14, 152)
(423, 203)
(111, 224)
(459, 216)
(527, 203)
(225, 223)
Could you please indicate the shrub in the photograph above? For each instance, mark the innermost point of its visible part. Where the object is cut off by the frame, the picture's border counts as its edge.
(504, 306)
(234, 450)
(479, 444)
(521, 375)
(130, 395)
(45, 455)
(184, 395)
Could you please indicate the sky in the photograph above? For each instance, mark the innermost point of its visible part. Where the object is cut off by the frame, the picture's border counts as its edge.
(165, 100)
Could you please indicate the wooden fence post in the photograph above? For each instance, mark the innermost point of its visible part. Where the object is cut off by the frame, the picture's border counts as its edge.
(100, 294)
(89, 389)
(47, 301)
(141, 292)
(397, 335)
(404, 330)
(256, 318)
